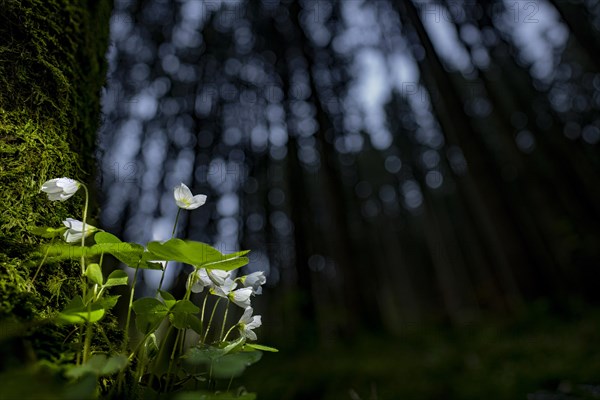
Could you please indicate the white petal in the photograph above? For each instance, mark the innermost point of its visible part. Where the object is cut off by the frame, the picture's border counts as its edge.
(219, 277)
(249, 334)
(182, 192)
(247, 317)
(50, 186)
(56, 197)
(197, 201)
(241, 297)
(255, 323)
(74, 224)
(68, 185)
(72, 236)
(218, 291)
(255, 279)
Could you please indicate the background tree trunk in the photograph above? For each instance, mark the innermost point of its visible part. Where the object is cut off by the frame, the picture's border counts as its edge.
(52, 68)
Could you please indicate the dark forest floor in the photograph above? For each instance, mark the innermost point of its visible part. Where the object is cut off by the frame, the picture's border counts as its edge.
(537, 355)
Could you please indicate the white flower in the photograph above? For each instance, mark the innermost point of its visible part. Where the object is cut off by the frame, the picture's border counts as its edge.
(218, 276)
(248, 322)
(225, 289)
(60, 188)
(75, 231)
(185, 199)
(255, 280)
(241, 297)
(199, 280)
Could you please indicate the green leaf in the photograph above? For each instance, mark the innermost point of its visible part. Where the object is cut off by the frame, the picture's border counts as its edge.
(116, 278)
(78, 313)
(114, 364)
(94, 273)
(234, 364)
(47, 232)
(194, 253)
(203, 355)
(129, 254)
(109, 302)
(149, 314)
(149, 305)
(105, 237)
(194, 323)
(57, 252)
(183, 321)
(261, 347)
(182, 314)
(168, 298)
(228, 265)
(234, 345)
(185, 306)
(99, 365)
(203, 395)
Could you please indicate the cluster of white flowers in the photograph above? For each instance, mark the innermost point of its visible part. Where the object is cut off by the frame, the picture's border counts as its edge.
(220, 283)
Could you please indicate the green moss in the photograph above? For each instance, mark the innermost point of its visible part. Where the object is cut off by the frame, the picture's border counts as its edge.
(51, 71)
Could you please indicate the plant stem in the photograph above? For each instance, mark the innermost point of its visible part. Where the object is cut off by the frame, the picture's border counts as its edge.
(85, 210)
(42, 263)
(172, 360)
(224, 321)
(202, 314)
(162, 278)
(228, 332)
(210, 320)
(160, 354)
(137, 268)
(88, 334)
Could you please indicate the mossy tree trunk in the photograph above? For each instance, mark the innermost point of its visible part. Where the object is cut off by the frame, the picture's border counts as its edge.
(52, 68)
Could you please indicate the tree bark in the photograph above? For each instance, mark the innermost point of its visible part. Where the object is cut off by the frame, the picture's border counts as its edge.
(52, 68)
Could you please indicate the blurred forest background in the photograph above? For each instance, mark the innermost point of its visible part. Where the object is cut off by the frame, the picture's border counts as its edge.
(419, 179)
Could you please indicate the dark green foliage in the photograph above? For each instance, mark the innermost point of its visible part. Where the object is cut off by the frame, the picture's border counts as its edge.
(495, 358)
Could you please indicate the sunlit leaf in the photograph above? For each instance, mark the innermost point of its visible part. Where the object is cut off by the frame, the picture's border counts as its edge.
(194, 253)
(228, 265)
(131, 254)
(78, 313)
(94, 273)
(116, 278)
(105, 237)
(261, 347)
(47, 232)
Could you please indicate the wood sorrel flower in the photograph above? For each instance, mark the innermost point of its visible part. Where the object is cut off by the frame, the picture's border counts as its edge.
(248, 322)
(185, 199)
(254, 280)
(60, 188)
(241, 297)
(223, 290)
(75, 231)
(199, 280)
(219, 277)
